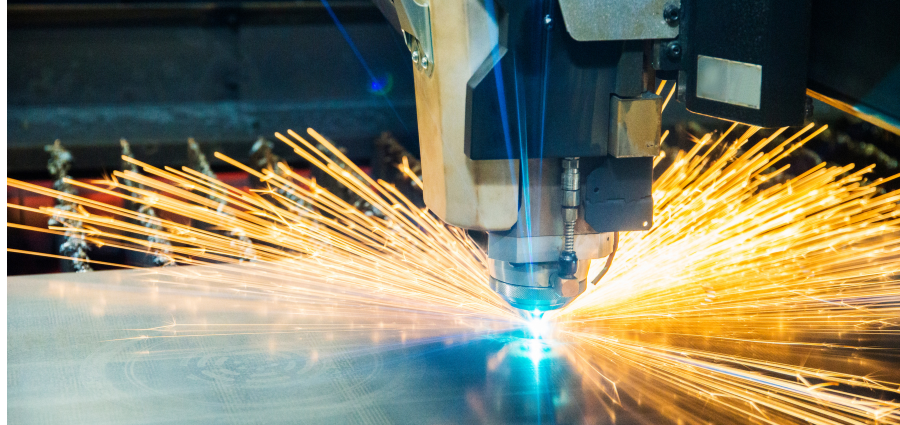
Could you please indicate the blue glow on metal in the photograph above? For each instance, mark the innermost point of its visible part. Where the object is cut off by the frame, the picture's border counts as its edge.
(537, 350)
(537, 326)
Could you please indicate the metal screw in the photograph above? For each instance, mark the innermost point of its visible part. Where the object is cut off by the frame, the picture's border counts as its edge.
(415, 56)
(547, 20)
(424, 62)
(673, 51)
(672, 14)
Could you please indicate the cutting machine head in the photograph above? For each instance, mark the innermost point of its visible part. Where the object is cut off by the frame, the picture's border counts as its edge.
(538, 121)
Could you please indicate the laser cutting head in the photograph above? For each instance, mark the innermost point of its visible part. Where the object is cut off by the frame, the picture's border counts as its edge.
(535, 131)
(528, 132)
(507, 90)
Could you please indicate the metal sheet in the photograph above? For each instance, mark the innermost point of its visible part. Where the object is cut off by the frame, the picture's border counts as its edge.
(189, 345)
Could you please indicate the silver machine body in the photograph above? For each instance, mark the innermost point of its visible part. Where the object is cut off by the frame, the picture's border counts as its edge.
(538, 121)
(540, 238)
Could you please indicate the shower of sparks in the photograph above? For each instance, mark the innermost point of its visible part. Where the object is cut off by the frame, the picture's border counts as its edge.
(812, 262)
(405, 259)
(710, 304)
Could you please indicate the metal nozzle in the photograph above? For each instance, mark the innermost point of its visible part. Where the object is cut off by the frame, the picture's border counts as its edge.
(537, 286)
(542, 262)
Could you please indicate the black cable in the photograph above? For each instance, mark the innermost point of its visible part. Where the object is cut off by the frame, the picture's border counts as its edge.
(609, 260)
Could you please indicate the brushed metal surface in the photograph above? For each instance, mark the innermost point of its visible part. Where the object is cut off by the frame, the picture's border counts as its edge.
(598, 20)
(197, 345)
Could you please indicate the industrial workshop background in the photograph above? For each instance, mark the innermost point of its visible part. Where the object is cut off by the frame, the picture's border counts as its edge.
(228, 73)
(223, 73)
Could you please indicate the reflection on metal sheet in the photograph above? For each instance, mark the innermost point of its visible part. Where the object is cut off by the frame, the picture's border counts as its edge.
(196, 345)
(182, 345)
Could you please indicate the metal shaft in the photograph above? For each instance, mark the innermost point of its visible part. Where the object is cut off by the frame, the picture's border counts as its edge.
(571, 199)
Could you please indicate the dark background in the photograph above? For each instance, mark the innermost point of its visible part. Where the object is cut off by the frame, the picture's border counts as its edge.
(226, 73)
(223, 73)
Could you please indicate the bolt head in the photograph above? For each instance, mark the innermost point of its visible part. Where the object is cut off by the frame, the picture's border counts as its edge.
(424, 62)
(672, 14)
(569, 287)
(415, 56)
(674, 51)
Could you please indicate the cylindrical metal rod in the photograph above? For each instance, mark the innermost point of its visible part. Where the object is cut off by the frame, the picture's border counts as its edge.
(571, 199)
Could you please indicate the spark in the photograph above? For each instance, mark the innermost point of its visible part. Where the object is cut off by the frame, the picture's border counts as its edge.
(406, 259)
(737, 257)
(750, 268)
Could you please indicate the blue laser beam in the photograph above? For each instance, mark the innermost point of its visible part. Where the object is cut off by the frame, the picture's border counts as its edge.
(376, 85)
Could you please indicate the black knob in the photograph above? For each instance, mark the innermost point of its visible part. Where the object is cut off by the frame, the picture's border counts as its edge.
(568, 264)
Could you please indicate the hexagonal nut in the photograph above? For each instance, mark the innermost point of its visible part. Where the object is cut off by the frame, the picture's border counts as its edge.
(570, 163)
(568, 287)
